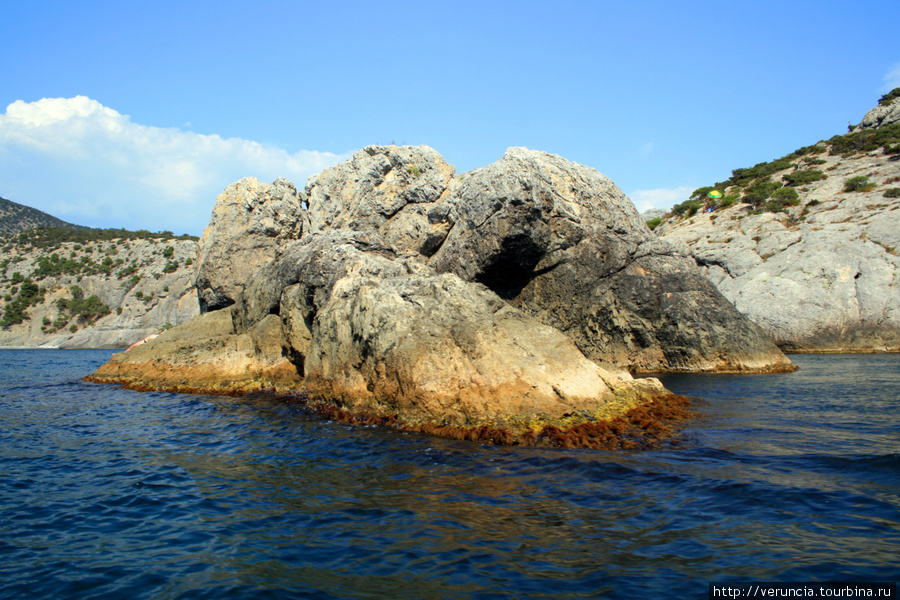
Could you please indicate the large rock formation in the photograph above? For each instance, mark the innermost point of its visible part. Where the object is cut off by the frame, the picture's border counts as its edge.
(886, 113)
(456, 304)
(563, 243)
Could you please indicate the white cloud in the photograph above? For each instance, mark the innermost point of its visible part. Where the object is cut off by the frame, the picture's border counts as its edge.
(86, 163)
(660, 198)
(646, 149)
(892, 79)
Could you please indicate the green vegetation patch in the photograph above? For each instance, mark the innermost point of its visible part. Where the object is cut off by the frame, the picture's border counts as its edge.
(45, 237)
(867, 140)
(859, 183)
(688, 208)
(889, 98)
(27, 294)
(803, 177)
(85, 310)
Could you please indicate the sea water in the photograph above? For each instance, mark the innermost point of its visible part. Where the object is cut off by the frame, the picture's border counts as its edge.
(109, 493)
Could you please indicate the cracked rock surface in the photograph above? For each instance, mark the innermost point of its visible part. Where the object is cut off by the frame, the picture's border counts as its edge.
(524, 292)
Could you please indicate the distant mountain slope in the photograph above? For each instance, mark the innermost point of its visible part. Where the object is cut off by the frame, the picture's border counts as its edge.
(15, 217)
(808, 245)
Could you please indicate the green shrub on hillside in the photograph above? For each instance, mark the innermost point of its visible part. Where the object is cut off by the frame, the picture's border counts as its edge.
(688, 208)
(803, 177)
(860, 183)
(728, 200)
(782, 197)
(29, 294)
(868, 140)
(889, 98)
(743, 177)
(760, 191)
(892, 193)
(85, 309)
(787, 195)
(654, 222)
(700, 193)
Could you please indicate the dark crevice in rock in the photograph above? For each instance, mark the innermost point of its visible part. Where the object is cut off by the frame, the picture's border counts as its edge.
(711, 262)
(296, 358)
(218, 304)
(513, 267)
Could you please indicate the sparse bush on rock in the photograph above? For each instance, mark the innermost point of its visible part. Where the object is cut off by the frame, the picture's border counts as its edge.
(860, 183)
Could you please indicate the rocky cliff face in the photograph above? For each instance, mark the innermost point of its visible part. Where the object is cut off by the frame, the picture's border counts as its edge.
(886, 113)
(495, 302)
(95, 294)
(822, 274)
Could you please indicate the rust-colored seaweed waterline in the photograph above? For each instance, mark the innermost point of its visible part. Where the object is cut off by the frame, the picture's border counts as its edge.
(640, 427)
(644, 426)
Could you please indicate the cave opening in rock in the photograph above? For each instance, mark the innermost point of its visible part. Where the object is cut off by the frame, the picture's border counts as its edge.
(512, 267)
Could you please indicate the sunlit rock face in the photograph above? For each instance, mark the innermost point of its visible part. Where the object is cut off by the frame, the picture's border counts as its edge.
(249, 222)
(513, 300)
(823, 274)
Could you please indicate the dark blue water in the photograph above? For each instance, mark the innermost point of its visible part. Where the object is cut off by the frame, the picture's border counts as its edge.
(108, 493)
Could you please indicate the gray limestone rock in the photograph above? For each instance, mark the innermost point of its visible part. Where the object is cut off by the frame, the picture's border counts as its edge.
(394, 190)
(561, 242)
(822, 276)
(381, 333)
(882, 116)
(511, 299)
(249, 222)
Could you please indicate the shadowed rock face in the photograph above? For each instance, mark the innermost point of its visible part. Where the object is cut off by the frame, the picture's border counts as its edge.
(561, 242)
(509, 300)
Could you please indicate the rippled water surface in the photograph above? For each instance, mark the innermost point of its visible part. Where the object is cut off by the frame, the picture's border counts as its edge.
(108, 493)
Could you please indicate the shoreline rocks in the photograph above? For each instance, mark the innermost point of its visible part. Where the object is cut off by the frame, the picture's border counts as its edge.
(507, 304)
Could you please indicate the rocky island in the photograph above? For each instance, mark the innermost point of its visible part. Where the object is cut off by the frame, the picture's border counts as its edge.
(515, 303)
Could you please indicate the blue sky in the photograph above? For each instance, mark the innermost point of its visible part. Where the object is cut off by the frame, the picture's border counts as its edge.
(136, 115)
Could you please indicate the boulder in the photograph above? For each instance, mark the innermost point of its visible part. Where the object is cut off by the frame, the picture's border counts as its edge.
(882, 116)
(249, 222)
(396, 191)
(206, 355)
(561, 242)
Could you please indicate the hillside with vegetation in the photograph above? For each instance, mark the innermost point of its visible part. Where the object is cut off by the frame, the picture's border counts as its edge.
(16, 217)
(81, 287)
(807, 244)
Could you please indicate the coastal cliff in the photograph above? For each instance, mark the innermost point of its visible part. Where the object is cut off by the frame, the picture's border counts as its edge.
(808, 245)
(509, 304)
